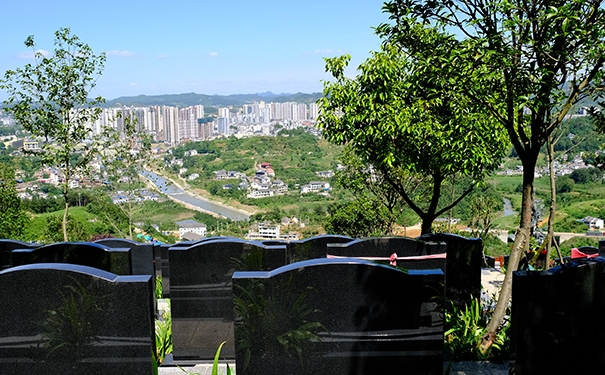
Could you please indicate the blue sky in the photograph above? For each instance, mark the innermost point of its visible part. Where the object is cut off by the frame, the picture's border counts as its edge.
(206, 47)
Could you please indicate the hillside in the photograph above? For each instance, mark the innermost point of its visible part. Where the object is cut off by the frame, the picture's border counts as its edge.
(191, 99)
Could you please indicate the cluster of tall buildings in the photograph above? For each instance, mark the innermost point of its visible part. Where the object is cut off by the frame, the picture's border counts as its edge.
(174, 125)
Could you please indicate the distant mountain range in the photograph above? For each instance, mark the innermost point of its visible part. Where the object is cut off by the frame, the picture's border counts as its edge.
(190, 99)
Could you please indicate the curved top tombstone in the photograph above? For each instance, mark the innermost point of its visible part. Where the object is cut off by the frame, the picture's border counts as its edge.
(7, 246)
(114, 260)
(74, 319)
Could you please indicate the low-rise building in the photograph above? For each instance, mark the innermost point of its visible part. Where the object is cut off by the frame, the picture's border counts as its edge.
(192, 226)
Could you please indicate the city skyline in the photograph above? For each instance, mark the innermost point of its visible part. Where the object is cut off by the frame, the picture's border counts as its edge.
(156, 48)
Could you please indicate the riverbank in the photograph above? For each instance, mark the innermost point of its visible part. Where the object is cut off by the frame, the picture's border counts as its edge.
(193, 201)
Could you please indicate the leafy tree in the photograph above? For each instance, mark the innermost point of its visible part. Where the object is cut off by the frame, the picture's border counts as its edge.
(13, 218)
(564, 184)
(529, 62)
(585, 175)
(53, 229)
(356, 219)
(403, 113)
(367, 184)
(50, 100)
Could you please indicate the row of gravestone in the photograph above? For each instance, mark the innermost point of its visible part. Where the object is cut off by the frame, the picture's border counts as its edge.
(345, 314)
(202, 299)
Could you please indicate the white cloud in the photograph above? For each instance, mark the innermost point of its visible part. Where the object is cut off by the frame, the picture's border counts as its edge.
(31, 54)
(212, 54)
(161, 56)
(120, 53)
(133, 84)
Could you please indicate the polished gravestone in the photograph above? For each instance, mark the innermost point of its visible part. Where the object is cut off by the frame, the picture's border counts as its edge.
(72, 319)
(83, 253)
(602, 248)
(141, 254)
(411, 253)
(556, 314)
(7, 246)
(163, 255)
(464, 259)
(339, 316)
(201, 297)
(314, 247)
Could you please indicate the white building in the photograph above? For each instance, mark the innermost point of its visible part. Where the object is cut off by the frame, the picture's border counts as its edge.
(191, 226)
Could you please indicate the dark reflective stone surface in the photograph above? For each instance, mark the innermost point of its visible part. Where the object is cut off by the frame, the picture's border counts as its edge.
(141, 254)
(71, 319)
(7, 246)
(201, 297)
(602, 248)
(463, 267)
(344, 316)
(556, 319)
(163, 255)
(83, 253)
(384, 247)
(313, 248)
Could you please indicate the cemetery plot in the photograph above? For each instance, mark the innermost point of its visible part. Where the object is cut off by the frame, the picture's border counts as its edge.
(83, 253)
(555, 319)
(7, 246)
(201, 296)
(338, 316)
(72, 319)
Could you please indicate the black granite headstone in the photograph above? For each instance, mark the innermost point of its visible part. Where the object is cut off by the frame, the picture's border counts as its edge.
(602, 248)
(165, 268)
(313, 248)
(7, 246)
(339, 316)
(411, 253)
(556, 314)
(141, 254)
(200, 293)
(463, 267)
(72, 319)
(83, 253)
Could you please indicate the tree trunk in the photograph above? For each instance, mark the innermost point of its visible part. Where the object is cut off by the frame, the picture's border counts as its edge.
(550, 237)
(520, 246)
(64, 223)
(427, 223)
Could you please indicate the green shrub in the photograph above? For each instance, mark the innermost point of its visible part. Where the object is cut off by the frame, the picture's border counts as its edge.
(464, 330)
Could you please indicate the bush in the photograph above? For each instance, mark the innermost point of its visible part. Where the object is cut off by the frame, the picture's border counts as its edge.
(464, 330)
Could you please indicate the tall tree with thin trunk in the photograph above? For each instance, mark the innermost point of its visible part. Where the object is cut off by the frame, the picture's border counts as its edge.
(49, 98)
(403, 113)
(529, 62)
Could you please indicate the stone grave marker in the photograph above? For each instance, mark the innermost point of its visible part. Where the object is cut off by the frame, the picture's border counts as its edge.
(72, 319)
(7, 246)
(555, 323)
(201, 297)
(339, 316)
(141, 254)
(165, 268)
(410, 253)
(83, 253)
(314, 247)
(464, 259)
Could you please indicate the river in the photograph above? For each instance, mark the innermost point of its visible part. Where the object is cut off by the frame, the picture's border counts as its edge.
(508, 208)
(167, 187)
